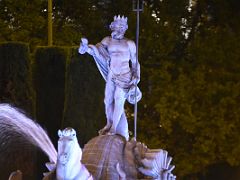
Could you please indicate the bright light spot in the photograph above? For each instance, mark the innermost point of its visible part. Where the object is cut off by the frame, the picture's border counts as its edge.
(94, 7)
(191, 4)
(154, 14)
(184, 27)
(184, 21)
(165, 23)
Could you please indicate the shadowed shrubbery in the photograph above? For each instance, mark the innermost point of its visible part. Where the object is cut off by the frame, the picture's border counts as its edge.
(84, 107)
(16, 89)
(49, 82)
(15, 80)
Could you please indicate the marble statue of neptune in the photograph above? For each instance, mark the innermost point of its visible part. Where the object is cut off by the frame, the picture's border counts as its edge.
(115, 57)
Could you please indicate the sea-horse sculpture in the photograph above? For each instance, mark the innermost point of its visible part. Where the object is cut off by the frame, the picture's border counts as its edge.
(68, 164)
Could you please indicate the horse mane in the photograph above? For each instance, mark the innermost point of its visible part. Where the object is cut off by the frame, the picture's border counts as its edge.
(67, 132)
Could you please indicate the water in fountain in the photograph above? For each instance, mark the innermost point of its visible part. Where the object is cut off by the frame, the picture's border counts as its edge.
(14, 122)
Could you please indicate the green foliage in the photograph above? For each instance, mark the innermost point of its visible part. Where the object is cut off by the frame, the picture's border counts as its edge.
(84, 108)
(23, 21)
(89, 18)
(196, 104)
(26, 21)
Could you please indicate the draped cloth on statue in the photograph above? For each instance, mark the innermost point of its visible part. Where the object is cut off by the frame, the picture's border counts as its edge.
(103, 60)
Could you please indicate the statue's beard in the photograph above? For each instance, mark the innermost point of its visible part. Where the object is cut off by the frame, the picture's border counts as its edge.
(117, 35)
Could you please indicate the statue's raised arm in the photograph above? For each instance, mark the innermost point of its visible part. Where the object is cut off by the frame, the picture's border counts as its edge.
(99, 53)
(87, 48)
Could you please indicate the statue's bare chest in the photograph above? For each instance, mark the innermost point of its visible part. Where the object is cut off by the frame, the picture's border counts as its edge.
(118, 46)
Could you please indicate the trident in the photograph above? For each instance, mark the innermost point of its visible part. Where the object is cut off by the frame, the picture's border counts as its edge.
(137, 6)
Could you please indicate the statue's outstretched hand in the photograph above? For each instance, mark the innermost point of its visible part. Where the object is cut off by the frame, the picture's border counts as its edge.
(83, 46)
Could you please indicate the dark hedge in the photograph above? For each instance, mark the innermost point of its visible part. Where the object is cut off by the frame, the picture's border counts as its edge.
(49, 83)
(15, 80)
(68, 92)
(16, 89)
(84, 107)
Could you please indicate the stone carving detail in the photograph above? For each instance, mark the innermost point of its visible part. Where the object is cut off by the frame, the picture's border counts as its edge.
(156, 164)
(151, 163)
(111, 157)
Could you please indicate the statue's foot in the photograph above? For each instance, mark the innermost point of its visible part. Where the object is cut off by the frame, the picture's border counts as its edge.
(104, 130)
(111, 131)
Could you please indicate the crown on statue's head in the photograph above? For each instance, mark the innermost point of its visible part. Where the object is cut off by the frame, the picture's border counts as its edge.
(119, 18)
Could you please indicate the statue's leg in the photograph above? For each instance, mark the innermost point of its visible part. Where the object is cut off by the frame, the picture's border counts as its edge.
(109, 105)
(109, 100)
(122, 127)
(119, 100)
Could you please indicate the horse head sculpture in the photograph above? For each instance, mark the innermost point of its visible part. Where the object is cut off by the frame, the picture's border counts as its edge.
(68, 147)
(69, 164)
